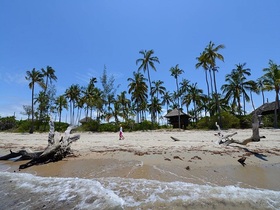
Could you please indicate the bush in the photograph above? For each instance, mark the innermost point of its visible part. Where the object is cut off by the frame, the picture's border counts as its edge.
(7, 123)
(92, 125)
(228, 121)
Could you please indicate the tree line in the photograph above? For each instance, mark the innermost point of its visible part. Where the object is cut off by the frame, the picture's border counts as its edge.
(146, 97)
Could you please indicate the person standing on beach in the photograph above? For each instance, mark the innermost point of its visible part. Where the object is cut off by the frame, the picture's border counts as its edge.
(121, 133)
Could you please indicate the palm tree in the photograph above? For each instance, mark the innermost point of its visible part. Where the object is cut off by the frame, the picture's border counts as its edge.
(195, 95)
(202, 62)
(147, 61)
(261, 87)
(176, 72)
(61, 103)
(125, 104)
(166, 99)
(73, 95)
(232, 90)
(271, 80)
(184, 89)
(138, 90)
(209, 56)
(34, 77)
(158, 88)
(49, 73)
(243, 72)
(155, 107)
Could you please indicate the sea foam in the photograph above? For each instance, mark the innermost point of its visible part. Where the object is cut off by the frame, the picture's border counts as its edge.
(26, 191)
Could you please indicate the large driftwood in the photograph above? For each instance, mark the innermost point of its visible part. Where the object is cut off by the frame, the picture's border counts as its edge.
(254, 138)
(57, 149)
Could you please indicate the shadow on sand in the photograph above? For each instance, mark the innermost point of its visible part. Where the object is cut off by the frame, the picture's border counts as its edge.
(258, 155)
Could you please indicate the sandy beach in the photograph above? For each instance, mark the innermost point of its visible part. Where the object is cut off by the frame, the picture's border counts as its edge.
(196, 158)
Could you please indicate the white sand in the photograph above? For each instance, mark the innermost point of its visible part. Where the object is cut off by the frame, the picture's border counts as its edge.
(154, 155)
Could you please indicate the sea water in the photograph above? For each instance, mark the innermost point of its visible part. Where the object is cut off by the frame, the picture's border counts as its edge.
(27, 191)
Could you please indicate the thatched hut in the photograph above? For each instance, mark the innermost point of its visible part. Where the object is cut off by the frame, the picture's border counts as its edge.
(85, 120)
(173, 118)
(267, 108)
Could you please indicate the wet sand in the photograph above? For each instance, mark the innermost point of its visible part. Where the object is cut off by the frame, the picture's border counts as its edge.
(196, 158)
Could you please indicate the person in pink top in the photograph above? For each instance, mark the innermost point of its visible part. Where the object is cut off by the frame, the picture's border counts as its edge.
(121, 133)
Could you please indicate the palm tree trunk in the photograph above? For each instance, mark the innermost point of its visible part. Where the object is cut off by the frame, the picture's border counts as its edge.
(276, 110)
(263, 97)
(207, 83)
(211, 80)
(32, 110)
(217, 100)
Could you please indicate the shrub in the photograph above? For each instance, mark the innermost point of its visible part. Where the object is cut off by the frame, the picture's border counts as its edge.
(228, 121)
(7, 123)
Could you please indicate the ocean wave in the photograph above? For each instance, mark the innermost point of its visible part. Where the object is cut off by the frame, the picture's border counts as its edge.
(26, 191)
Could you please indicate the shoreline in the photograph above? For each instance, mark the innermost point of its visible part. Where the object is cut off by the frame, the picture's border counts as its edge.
(153, 155)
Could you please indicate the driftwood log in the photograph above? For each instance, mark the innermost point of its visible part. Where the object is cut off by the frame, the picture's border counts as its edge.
(57, 149)
(226, 140)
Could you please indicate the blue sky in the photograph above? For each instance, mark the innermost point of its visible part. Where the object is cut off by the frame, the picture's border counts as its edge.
(77, 38)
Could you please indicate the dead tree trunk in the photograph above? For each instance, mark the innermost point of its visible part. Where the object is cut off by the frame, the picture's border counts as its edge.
(57, 149)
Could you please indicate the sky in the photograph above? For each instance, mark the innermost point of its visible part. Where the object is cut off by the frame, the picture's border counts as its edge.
(78, 38)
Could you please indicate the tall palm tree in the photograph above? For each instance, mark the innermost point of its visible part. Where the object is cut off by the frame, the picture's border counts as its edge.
(195, 95)
(61, 103)
(49, 73)
(202, 62)
(158, 88)
(35, 77)
(232, 90)
(271, 80)
(139, 92)
(73, 95)
(184, 89)
(147, 61)
(243, 72)
(261, 87)
(155, 107)
(125, 104)
(209, 56)
(176, 72)
(166, 99)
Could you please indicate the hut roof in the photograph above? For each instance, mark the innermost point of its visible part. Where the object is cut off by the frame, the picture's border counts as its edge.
(86, 119)
(267, 108)
(174, 112)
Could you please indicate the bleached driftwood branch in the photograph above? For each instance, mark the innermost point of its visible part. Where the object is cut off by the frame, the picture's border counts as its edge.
(255, 133)
(57, 149)
(223, 138)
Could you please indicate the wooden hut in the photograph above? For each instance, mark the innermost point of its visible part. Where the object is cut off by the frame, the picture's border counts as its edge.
(267, 108)
(173, 118)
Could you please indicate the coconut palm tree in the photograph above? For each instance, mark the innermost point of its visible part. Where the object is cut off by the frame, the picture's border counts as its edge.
(35, 77)
(184, 89)
(147, 61)
(232, 90)
(176, 72)
(195, 95)
(125, 104)
(158, 88)
(155, 108)
(61, 103)
(209, 56)
(73, 95)
(271, 80)
(261, 87)
(166, 99)
(243, 72)
(49, 73)
(139, 91)
(202, 62)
